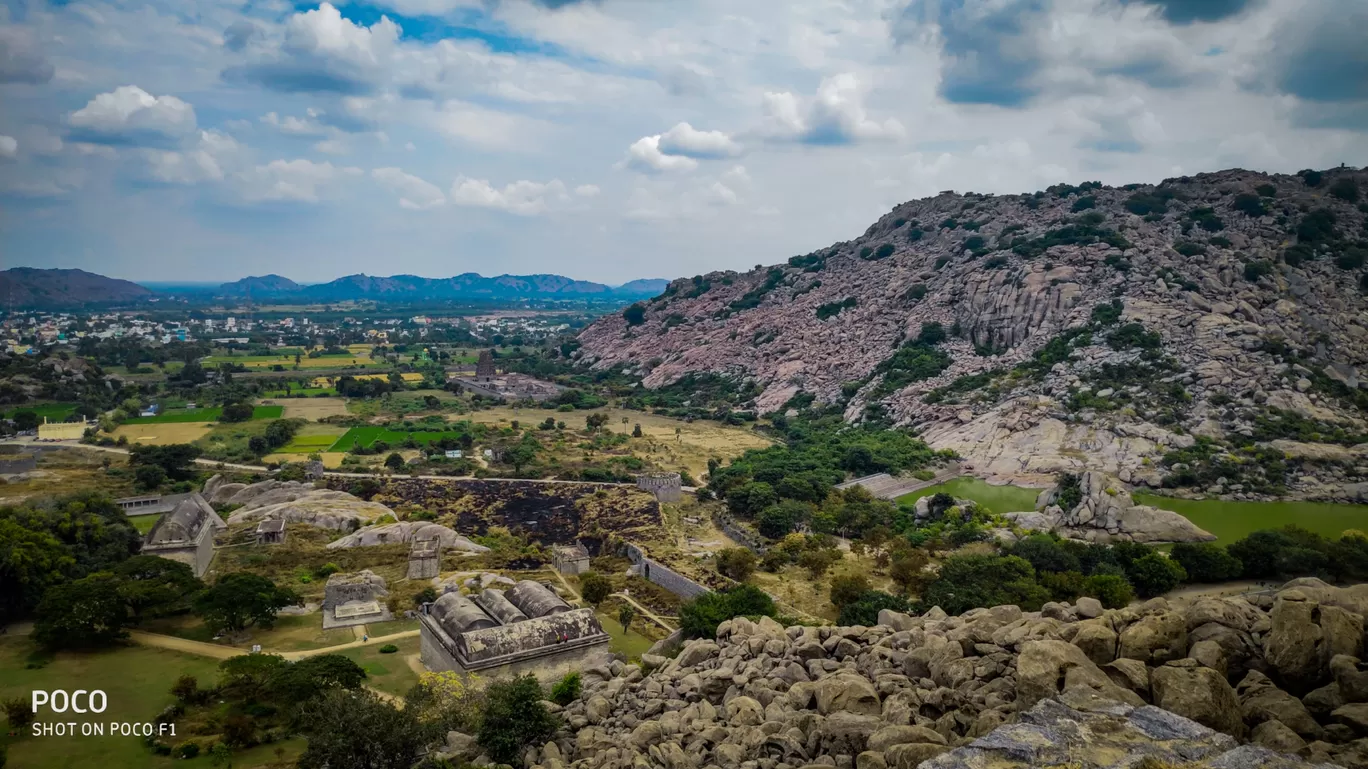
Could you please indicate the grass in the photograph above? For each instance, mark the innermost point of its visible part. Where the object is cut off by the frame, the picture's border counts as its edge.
(288, 361)
(67, 469)
(1232, 520)
(310, 392)
(143, 523)
(313, 438)
(366, 436)
(994, 499)
(291, 633)
(161, 434)
(210, 414)
(631, 643)
(390, 673)
(55, 412)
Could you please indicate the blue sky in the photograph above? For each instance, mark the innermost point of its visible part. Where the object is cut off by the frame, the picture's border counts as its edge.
(198, 140)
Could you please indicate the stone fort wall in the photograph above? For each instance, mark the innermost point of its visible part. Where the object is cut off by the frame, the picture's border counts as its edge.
(660, 574)
(665, 486)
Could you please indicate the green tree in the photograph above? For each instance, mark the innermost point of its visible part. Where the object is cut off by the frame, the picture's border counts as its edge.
(30, 562)
(847, 589)
(514, 718)
(18, 712)
(971, 581)
(1154, 575)
(699, 618)
(149, 477)
(907, 569)
(594, 422)
(595, 587)
(1206, 562)
(394, 461)
(298, 681)
(735, 562)
(356, 729)
(176, 459)
(750, 499)
(567, 690)
(236, 412)
(636, 430)
(520, 455)
(865, 609)
(818, 560)
(151, 585)
(26, 420)
(240, 600)
(1111, 589)
(86, 613)
(635, 314)
(626, 613)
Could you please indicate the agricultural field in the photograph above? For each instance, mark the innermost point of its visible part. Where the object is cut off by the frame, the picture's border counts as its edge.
(210, 414)
(313, 438)
(307, 392)
(359, 360)
(328, 381)
(63, 471)
(313, 409)
(365, 436)
(689, 448)
(55, 412)
(163, 433)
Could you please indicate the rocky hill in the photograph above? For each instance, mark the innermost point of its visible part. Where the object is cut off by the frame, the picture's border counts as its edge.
(469, 286)
(32, 288)
(1153, 685)
(1079, 327)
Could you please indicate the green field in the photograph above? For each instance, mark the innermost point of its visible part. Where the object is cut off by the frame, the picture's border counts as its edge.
(55, 412)
(994, 499)
(298, 391)
(366, 436)
(1230, 520)
(143, 523)
(358, 360)
(390, 673)
(308, 444)
(203, 415)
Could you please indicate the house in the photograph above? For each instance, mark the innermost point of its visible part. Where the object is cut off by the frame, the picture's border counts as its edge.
(454, 454)
(62, 431)
(150, 411)
(271, 532)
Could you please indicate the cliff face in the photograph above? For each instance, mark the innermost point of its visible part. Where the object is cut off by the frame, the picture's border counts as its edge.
(1247, 288)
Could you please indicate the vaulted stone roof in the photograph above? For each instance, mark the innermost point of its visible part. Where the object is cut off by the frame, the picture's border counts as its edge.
(535, 599)
(574, 627)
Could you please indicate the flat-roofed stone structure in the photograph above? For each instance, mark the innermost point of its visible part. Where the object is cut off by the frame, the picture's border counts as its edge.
(571, 559)
(186, 534)
(425, 558)
(527, 629)
(271, 531)
(355, 599)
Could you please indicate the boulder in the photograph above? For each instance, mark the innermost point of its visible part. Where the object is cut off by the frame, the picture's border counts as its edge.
(407, 531)
(1261, 700)
(1097, 640)
(1277, 737)
(847, 692)
(1155, 638)
(1088, 607)
(1047, 668)
(1293, 646)
(1187, 688)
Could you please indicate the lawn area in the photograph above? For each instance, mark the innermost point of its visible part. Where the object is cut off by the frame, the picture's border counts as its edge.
(55, 412)
(210, 414)
(1231, 520)
(631, 643)
(391, 627)
(314, 409)
(137, 683)
(994, 499)
(292, 633)
(390, 673)
(143, 523)
(365, 436)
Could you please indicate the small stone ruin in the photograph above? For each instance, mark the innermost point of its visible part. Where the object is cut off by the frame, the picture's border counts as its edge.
(667, 487)
(425, 558)
(355, 599)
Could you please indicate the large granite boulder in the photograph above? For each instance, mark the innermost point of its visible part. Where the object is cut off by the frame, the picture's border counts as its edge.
(1047, 668)
(1107, 513)
(295, 502)
(407, 531)
(1187, 688)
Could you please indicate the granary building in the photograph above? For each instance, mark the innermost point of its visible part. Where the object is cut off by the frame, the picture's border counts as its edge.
(526, 629)
(186, 534)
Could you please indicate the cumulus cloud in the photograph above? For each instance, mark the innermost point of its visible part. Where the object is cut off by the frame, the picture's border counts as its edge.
(296, 126)
(205, 162)
(9, 147)
(524, 198)
(587, 190)
(1114, 125)
(321, 52)
(414, 193)
(239, 34)
(688, 141)
(1320, 56)
(836, 115)
(21, 59)
(128, 115)
(289, 180)
(645, 155)
(1189, 11)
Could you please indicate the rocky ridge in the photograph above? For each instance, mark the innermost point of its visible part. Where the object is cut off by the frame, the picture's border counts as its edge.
(1251, 282)
(1261, 680)
(293, 501)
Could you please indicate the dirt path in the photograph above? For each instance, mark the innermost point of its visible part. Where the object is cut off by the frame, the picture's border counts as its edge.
(645, 612)
(1192, 593)
(225, 652)
(381, 639)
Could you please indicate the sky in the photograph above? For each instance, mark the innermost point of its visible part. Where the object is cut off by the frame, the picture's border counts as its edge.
(200, 140)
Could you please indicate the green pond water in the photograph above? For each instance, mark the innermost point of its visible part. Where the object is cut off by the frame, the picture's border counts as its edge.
(1228, 520)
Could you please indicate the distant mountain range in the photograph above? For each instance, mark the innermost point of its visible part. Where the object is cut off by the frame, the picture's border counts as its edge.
(33, 288)
(465, 286)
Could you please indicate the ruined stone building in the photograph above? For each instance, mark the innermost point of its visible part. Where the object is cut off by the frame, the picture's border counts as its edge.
(571, 559)
(271, 532)
(667, 487)
(355, 599)
(526, 629)
(186, 534)
(425, 558)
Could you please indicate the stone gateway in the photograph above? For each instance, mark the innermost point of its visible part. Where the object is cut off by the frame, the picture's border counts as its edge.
(527, 629)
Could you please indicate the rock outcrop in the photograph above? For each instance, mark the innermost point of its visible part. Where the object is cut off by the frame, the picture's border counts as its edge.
(1106, 512)
(1253, 316)
(407, 531)
(992, 687)
(293, 501)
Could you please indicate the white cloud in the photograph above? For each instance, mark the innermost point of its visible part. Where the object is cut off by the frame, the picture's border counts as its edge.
(203, 163)
(21, 58)
(130, 115)
(686, 140)
(414, 193)
(296, 126)
(836, 115)
(521, 197)
(289, 180)
(645, 155)
(9, 147)
(321, 52)
(587, 190)
(490, 129)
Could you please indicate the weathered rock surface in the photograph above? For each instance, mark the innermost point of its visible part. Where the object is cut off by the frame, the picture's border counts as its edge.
(1107, 513)
(293, 501)
(407, 531)
(983, 266)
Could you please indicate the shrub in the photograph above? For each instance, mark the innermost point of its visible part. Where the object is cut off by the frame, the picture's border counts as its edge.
(567, 690)
(700, 617)
(17, 712)
(1205, 562)
(635, 315)
(187, 750)
(1257, 269)
(1188, 248)
(864, 610)
(595, 587)
(847, 589)
(1083, 204)
(236, 412)
(1266, 190)
(1312, 178)
(736, 562)
(1154, 575)
(882, 252)
(514, 718)
(916, 292)
(1111, 589)
(970, 581)
(1250, 205)
(1345, 189)
(832, 309)
(995, 262)
(389, 649)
